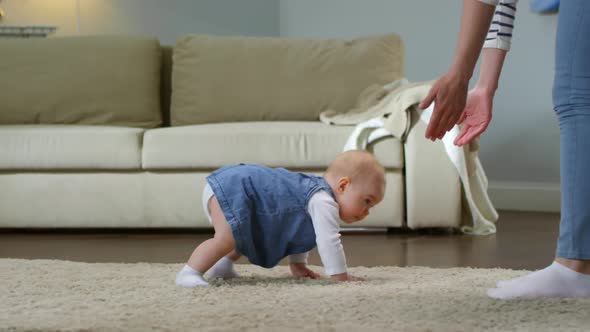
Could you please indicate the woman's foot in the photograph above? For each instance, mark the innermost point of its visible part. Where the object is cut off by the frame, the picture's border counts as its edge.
(556, 280)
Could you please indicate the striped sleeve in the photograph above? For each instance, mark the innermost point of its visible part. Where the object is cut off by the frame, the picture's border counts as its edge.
(490, 2)
(500, 32)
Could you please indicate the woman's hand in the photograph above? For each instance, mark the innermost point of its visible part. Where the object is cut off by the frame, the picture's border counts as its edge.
(474, 110)
(476, 116)
(449, 94)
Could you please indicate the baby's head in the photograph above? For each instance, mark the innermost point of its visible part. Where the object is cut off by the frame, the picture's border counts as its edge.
(358, 182)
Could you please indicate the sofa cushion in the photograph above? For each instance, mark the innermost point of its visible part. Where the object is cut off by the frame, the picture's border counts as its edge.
(94, 80)
(220, 78)
(54, 147)
(310, 145)
(134, 199)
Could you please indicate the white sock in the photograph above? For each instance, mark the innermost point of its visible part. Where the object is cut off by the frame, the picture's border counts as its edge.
(224, 268)
(556, 280)
(188, 277)
(503, 283)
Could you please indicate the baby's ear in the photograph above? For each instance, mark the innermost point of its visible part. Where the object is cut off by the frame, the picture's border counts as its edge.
(343, 182)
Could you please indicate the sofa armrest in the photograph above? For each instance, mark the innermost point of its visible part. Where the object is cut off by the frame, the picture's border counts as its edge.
(433, 186)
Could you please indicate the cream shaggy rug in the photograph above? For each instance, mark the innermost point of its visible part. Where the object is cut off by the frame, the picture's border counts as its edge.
(45, 295)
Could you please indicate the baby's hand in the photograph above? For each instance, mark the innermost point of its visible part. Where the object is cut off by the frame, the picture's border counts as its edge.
(345, 277)
(300, 270)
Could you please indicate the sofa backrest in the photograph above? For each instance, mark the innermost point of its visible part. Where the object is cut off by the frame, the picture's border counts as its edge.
(220, 78)
(95, 80)
(128, 80)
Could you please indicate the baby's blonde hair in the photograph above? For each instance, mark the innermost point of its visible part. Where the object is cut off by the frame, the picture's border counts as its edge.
(356, 164)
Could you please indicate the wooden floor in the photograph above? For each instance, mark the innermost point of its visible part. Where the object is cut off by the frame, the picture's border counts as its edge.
(525, 240)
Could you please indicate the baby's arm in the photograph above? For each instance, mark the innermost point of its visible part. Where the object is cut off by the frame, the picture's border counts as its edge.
(298, 266)
(325, 217)
(298, 258)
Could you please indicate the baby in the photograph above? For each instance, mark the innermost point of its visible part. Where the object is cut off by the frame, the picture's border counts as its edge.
(267, 214)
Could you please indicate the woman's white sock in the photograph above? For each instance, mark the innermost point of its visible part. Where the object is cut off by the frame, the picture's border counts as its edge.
(556, 280)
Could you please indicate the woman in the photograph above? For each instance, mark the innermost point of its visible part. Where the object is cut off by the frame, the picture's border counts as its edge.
(569, 274)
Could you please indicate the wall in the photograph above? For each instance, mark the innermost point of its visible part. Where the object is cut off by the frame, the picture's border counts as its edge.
(163, 19)
(520, 149)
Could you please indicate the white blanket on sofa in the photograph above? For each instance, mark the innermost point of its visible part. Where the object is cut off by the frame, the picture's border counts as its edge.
(384, 111)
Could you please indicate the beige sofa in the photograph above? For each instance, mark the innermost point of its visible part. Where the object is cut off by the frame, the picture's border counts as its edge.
(119, 132)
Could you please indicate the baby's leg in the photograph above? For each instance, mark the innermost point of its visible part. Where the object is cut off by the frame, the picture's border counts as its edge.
(208, 252)
(222, 243)
(224, 268)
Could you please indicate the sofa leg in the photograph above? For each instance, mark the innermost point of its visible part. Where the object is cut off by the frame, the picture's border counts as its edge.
(398, 230)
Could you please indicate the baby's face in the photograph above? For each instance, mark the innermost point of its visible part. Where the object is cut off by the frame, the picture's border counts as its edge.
(359, 197)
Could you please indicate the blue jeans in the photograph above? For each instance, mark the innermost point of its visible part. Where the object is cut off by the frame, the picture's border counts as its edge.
(571, 99)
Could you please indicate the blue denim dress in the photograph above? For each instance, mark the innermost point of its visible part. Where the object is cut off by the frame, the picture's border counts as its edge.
(266, 209)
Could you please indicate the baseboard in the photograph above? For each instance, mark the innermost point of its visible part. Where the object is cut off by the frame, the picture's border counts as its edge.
(525, 196)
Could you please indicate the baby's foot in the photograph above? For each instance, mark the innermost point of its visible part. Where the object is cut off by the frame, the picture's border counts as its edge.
(555, 280)
(224, 268)
(188, 277)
